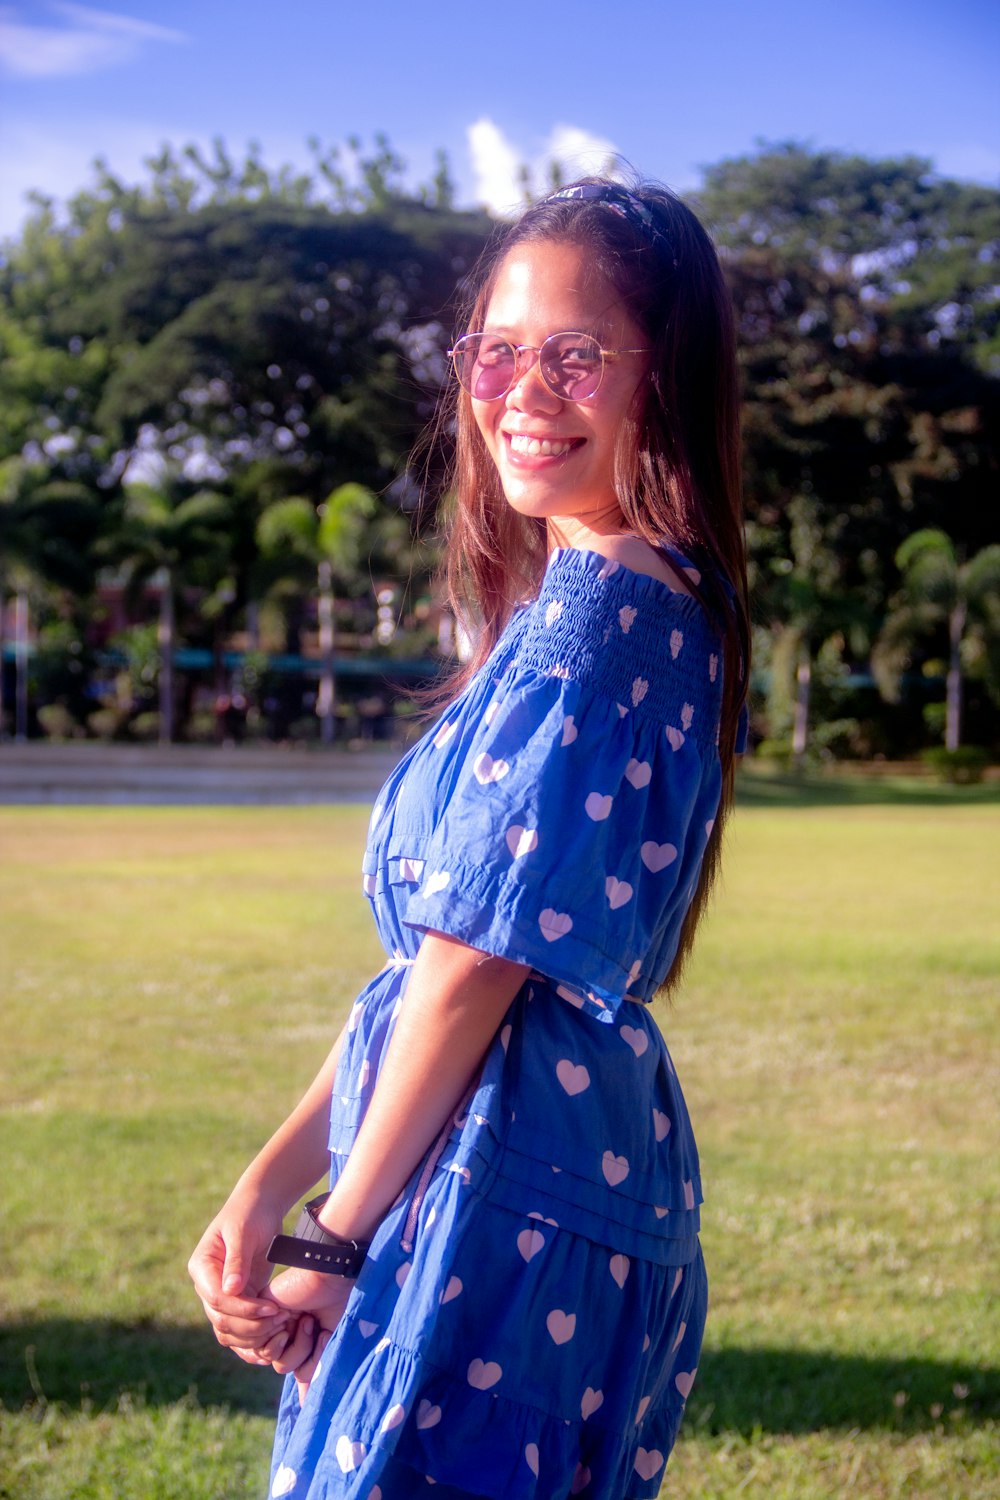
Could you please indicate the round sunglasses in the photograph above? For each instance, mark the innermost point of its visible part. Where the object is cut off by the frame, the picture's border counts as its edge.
(570, 364)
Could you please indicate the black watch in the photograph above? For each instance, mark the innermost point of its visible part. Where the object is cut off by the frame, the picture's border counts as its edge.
(312, 1248)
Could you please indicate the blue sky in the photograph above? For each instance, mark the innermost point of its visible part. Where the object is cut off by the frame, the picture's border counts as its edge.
(670, 86)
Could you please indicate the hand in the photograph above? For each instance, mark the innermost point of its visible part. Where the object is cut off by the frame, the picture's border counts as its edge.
(321, 1299)
(230, 1270)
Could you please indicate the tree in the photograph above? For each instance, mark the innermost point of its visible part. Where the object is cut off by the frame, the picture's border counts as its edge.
(331, 541)
(941, 592)
(170, 536)
(47, 530)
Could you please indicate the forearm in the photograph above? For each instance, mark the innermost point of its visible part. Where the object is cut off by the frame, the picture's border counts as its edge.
(455, 999)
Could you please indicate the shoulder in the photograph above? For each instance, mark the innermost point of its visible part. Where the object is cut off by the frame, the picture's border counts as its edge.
(627, 636)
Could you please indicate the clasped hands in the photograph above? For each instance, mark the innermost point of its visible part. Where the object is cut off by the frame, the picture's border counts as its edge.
(286, 1322)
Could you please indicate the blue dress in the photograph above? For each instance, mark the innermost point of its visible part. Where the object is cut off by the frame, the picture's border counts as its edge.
(529, 1319)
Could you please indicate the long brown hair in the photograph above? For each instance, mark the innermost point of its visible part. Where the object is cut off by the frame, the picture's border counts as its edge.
(677, 460)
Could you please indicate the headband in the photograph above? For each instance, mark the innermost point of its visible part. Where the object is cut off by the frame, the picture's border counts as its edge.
(620, 201)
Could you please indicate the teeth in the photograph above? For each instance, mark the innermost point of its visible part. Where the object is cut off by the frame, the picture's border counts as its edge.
(538, 447)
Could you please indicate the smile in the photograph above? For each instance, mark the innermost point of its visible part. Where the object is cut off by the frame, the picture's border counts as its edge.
(538, 447)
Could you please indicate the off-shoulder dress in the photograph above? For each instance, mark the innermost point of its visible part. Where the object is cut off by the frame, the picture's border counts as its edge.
(528, 1322)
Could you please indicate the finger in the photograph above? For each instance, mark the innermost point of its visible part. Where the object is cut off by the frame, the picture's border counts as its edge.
(250, 1357)
(298, 1349)
(304, 1374)
(251, 1333)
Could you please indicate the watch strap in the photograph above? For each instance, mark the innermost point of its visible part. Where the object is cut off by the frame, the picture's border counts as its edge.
(313, 1248)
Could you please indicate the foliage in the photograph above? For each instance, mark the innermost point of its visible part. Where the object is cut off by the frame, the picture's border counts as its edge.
(964, 766)
(263, 338)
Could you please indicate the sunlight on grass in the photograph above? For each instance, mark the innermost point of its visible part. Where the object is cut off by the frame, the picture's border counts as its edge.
(173, 976)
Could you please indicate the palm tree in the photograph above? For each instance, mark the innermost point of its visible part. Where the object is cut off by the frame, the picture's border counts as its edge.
(327, 542)
(167, 534)
(47, 530)
(940, 589)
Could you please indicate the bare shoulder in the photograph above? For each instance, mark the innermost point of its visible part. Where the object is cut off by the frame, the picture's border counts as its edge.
(632, 552)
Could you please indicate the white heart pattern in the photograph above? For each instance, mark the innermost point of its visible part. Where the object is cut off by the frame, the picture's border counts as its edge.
(676, 642)
(561, 1325)
(570, 730)
(411, 869)
(553, 611)
(609, 569)
(635, 971)
(484, 1374)
(618, 892)
(638, 772)
(369, 885)
(674, 736)
(486, 769)
(580, 1479)
(573, 1076)
(640, 688)
(452, 1290)
(521, 841)
(713, 667)
(571, 995)
(401, 1274)
(619, 1267)
(428, 1415)
(445, 733)
(661, 1213)
(656, 856)
(284, 1481)
(366, 1329)
(682, 1330)
(689, 1195)
(678, 1278)
(592, 1400)
(534, 1214)
(635, 1037)
(530, 1242)
(626, 617)
(491, 712)
(687, 716)
(349, 1455)
(438, 881)
(661, 1124)
(505, 1035)
(643, 1408)
(392, 1418)
(648, 1464)
(685, 1380)
(597, 806)
(554, 924)
(615, 1168)
(531, 1457)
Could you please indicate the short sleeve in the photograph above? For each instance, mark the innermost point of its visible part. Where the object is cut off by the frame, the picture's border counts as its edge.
(570, 835)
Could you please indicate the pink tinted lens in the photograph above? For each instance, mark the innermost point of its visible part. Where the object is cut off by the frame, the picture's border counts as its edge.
(485, 366)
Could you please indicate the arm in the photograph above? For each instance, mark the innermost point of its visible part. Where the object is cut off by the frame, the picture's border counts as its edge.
(456, 998)
(228, 1266)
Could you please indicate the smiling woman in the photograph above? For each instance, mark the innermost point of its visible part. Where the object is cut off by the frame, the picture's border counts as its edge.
(502, 1294)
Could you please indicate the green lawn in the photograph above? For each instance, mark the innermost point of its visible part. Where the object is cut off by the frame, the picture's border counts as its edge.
(171, 977)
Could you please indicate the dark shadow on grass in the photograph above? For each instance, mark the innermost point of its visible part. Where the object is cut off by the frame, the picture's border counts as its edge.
(765, 788)
(91, 1365)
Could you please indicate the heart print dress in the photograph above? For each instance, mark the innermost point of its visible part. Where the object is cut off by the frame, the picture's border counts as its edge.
(528, 1322)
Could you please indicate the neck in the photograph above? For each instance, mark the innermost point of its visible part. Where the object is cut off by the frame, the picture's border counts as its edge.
(592, 535)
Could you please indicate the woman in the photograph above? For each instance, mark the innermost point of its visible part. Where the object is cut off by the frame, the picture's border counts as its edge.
(506, 1126)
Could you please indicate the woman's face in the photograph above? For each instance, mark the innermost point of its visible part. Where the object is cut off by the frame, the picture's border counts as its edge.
(544, 288)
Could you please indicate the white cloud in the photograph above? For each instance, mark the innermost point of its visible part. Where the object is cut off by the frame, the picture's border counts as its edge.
(498, 164)
(94, 39)
(578, 152)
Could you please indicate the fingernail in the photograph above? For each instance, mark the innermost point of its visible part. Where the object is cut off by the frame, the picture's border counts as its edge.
(308, 1326)
(231, 1284)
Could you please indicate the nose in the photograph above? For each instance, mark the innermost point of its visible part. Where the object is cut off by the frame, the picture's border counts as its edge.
(529, 391)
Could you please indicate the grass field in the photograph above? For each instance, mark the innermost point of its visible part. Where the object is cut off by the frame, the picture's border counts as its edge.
(171, 977)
